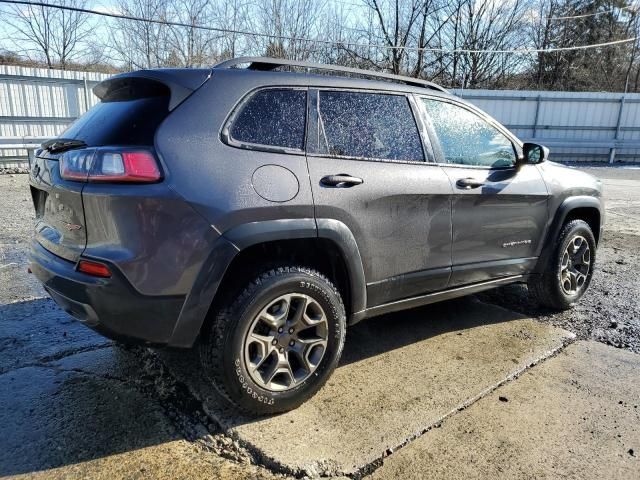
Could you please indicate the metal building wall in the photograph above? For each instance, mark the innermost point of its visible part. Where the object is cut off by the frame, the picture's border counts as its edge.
(36, 104)
(581, 126)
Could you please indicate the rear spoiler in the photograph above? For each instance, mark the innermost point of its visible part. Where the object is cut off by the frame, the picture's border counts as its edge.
(180, 82)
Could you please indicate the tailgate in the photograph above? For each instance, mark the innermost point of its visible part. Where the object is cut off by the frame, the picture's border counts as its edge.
(60, 226)
(131, 108)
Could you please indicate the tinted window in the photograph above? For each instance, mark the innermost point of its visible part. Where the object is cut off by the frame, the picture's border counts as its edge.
(467, 139)
(120, 122)
(272, 117)
(369, 125)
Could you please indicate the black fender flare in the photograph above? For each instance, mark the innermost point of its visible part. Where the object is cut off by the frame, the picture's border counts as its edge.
(338, 232)
(200, 297)
(233, 241)
(558, 219)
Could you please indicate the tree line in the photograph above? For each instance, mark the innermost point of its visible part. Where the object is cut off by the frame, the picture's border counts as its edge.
(441, 40)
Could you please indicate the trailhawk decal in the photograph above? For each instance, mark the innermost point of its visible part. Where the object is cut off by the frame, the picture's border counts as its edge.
(516, 243)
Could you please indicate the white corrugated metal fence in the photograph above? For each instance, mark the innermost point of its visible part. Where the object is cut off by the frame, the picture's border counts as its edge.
(580, 126)
(36, 104)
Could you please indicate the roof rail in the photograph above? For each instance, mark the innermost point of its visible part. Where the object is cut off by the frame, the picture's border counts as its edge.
(267, 64)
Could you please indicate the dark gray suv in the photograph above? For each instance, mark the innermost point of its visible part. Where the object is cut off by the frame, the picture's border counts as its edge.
(257, 212)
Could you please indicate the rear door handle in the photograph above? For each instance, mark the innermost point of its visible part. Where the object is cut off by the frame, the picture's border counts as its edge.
(342, 180)
(469, 183)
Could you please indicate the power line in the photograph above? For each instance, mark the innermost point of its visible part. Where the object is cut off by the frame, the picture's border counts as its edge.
(336, 43)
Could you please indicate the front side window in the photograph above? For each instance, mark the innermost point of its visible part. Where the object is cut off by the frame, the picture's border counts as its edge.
(467, 139)
(272, 117)
(368, 125)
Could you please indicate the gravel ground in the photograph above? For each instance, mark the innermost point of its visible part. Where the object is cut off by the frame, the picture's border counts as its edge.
(610, 311)
(16, 226)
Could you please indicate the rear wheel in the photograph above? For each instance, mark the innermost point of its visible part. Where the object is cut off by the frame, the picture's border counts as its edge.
(276, 343)
(568, 273)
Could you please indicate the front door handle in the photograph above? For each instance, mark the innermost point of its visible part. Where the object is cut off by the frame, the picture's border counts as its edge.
(469, 183)
(342, 180)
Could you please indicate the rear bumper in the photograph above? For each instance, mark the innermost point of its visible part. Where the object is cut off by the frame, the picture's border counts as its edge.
(111, 306)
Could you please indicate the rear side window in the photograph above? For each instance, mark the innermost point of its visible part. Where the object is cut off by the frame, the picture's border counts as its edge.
(368, 125)
(272, 117)
(122, 119)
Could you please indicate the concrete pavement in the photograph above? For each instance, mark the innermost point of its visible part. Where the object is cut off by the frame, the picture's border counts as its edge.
(401, 375)
(576, 416)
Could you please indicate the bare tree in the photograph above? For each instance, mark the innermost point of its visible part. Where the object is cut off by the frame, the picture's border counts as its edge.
(389, 25)
(57, 36)
(490, 25)
(289, 21)
(141, 44)
(234, 15)
(191, 46)
(541, 32)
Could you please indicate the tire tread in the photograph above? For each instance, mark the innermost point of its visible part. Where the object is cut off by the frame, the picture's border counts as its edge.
(541, 288)
(212, 350)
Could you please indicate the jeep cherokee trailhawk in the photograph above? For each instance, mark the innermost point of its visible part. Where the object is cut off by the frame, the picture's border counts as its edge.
(257, 212)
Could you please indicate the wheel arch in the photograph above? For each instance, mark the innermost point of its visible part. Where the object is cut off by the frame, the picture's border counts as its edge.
(585, 208)
(324, 244)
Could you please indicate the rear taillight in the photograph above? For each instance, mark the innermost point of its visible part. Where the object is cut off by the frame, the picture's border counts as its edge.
(75, 164)
(110, 165)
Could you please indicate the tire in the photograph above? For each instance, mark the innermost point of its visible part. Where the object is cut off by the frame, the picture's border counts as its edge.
(555, 289)
(230, 351)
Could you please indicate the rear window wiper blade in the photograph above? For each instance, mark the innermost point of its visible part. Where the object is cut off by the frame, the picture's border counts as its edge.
(61, 144)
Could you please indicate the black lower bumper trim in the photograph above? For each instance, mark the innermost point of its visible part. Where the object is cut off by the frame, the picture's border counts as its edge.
(110, 306)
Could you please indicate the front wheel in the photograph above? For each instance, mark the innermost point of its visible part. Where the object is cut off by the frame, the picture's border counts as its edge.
(568, 273)
(275, 344)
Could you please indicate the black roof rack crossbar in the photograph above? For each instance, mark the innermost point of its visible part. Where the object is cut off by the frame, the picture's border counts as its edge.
(267, 63)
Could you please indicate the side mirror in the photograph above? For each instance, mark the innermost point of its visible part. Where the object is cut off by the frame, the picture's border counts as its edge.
(534, 153)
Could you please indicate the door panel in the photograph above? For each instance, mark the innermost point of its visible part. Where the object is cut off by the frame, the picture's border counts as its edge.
(397, 206)
(400, 217)
(497, 226)
(499, 210)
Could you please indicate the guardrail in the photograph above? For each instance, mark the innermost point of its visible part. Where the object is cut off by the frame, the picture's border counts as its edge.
(19, 145)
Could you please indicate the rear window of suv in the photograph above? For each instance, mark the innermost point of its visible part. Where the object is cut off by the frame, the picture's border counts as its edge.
(129, 118)
(272, 117)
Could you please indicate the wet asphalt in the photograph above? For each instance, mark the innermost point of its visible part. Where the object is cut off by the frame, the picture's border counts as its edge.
(73, 404)
(76, 405)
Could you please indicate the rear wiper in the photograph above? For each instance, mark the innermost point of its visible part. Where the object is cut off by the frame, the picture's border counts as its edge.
(61, 144)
